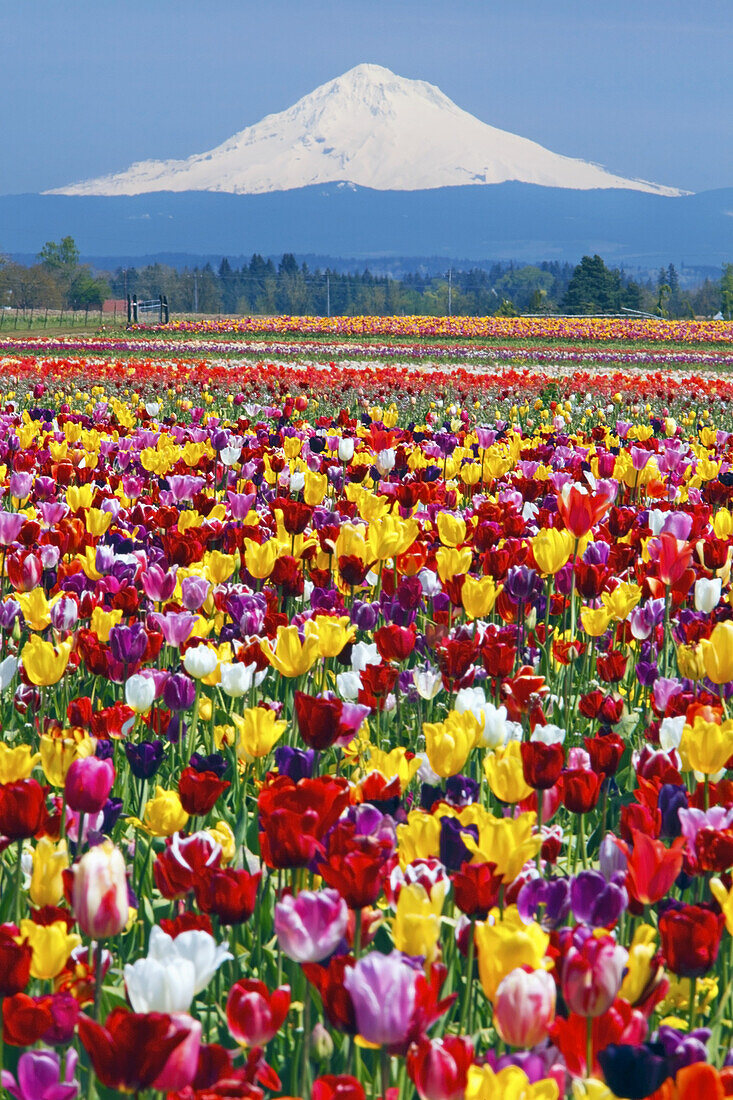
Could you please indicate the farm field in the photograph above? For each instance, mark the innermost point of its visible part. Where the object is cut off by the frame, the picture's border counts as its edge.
(365, 693)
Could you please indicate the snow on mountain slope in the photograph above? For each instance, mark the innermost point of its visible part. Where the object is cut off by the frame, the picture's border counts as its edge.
(371, 128)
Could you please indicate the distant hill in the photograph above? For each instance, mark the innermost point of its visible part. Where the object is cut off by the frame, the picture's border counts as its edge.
(518, 221)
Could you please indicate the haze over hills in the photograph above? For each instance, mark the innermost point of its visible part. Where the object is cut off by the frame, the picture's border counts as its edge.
(369, 128)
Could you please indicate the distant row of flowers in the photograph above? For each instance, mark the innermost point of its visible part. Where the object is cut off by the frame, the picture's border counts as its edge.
(318, 351)
(364, 734)
(594, 329)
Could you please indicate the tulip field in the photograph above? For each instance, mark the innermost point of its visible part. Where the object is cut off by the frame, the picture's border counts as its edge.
(366, 695)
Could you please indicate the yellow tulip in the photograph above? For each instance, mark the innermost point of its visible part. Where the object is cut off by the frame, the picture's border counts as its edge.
(258, 732)
(552, 549)
(724, 899)
(80, 496)
(503, 770)
(291, 657)
(16, 762)
(451, 529)
(224, 837)
(690, 661)
(416, 926)
(452, 563)
(260, 559)
(622, 600)
(706, 747)
(394, 764)
(51, 945)
(163, 815)
(723, 524)
(449, 743)
(219, 566)
(510, 1083)
(506, 944)
(35, 607)
(49, 861)
(595, 620)
(639, 968)
(102, 622)
(390, 536)
(332, 632)
(58, 752)
(97, 522)
(590, 1088)
(43, 664)
(507, 842)
(478, 596)
(419, 838)
(717, 653)
(315, 487)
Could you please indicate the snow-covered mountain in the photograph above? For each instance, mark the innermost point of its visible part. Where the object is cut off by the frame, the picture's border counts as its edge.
(371, 128)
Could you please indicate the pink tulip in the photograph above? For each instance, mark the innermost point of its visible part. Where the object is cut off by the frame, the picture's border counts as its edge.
(180, 1069)
(310, 926)
(524, 1007)
(88, 783)
(99, 892)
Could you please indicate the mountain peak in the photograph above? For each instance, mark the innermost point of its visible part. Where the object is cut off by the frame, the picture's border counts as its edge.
(368, 127)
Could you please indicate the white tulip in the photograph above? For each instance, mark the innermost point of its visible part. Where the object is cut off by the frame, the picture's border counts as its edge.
(363, 654)
(346, 450)
(200, 661)
(348, 685)
(548, 735)
(428, 682)
(670, 733)
(195, 947)
(8, 669)
(140, 693)
(385, 461)
(154, 985)
(707, 594)
(236, 679)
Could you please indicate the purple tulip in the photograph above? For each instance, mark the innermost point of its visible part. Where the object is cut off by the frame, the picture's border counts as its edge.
(686, 1048)
(175, 625)
(10, 525)
(453, 851)
(179, 692)
(39, 1076)
(158, 585)
(128, 643)
(194, 591)
(145, 758)
(296, 763)
(595, 901)
(240, 504)
(310, 926)
(383, 992)
(546, 899)
(21, 483)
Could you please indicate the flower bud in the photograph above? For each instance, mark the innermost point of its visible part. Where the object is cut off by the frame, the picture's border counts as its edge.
(524, 1007)
(321, 1043)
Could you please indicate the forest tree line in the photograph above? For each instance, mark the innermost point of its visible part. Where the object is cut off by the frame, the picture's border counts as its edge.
(58, 280)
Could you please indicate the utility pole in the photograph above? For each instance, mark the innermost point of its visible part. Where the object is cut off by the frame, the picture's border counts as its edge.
(328, 295)
(450, 291)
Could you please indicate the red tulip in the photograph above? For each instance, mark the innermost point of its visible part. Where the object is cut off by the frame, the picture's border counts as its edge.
(254, 1014)
(476, 889)
(395, 643)
(230, 893)
(580, 511)
(329, 981)
(131, 1051)
(15, 964)
(199, 791)
(541, 763)
(332, 1087)
(177, 868)
(22, 809)
(438, 1068)
(295, 816)
(651, 868)
(690, 939)
(580, 790)
(605, 752)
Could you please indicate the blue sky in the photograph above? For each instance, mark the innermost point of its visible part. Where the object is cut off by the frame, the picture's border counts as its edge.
(89, 86)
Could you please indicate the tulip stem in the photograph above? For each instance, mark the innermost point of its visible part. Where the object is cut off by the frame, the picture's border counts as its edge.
(589, 1046)
(385, 1064)
(305, 1082)
(18, 881)
(693, 1002)
(466, 1006)
(98, 974)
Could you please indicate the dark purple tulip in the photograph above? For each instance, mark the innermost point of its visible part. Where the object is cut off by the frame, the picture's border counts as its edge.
(179, 692)
(635, 1072)
(105, 750)
(111, 812)
(9, 612)
(295, 763)
(365, 616)
(214, 762)
(145, 758)
(128, 643)
(646, 673)
(453, 852)
(595, 901)
(547, 900)
(672, 799)
(521, 584)
(461, 790)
